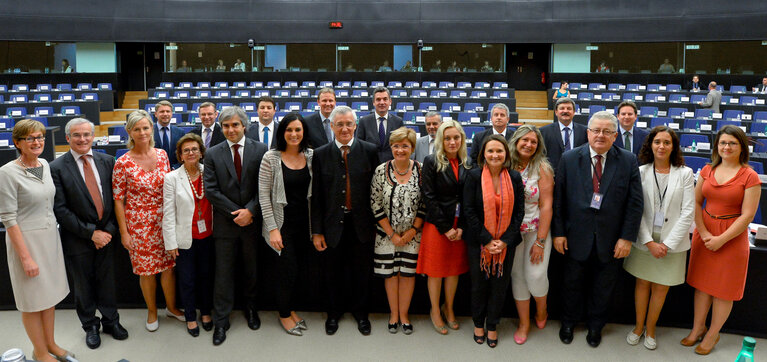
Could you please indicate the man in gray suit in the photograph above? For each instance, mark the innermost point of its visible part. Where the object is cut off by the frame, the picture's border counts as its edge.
(713, 98)
(231, 186)
(376, 127)
(424, 146)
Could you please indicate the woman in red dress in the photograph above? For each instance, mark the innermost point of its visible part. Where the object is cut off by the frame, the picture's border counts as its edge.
(443, 251)
(137, 186)
(719, 253)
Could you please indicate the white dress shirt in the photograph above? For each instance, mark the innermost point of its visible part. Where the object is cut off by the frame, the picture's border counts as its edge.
(594, 160)
(241, 142)
(79, 163)
(562, 133)
(261, 127)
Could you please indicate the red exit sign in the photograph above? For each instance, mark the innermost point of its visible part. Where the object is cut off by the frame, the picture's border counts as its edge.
(336, 25)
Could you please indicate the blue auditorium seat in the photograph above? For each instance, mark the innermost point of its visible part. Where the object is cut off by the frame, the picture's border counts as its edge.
(732, 114)
(704, 113)
(450, 107)
(673, 87)
(594, 108)
(43, 87)
(16, 111)
(90, 96)
(84, 86)
(185, 84)
(242, 93)
(500, 85)
(653, 87)
(692, 123)
(104, 86)
(272, 84)
(64, 87)
(647, 111)
(180, 108)
(748, 100)
(697, 98)
(70, 110)
(676, 112)
(404, 106)
(428, 84)
(738, 89)
(686, 139)
(722, 123)
(427, 106)
(181, 94)
(395, 84)
(44, 111)
(20, 87)
(695, 163)
(473, 107)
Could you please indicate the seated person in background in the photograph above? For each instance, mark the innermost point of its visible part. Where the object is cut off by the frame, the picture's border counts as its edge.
(350, 68)
(563, 90)
(666, 67)
(694, 84)
(454, 67)
(437, 67)
(761, 88)
(220, 66)
(603, 68)
(408, 67)
(65, 67)
(238, 66)
(486, 67)
(385, 67)
(184, 67)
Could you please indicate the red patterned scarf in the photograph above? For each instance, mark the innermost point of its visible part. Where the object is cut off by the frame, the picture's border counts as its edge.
(497, 220)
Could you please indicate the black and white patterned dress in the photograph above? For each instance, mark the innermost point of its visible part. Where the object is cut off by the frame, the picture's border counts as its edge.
(401, 203)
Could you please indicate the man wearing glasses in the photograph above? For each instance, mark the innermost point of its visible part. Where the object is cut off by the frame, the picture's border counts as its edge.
(84, 211)
(598, 206)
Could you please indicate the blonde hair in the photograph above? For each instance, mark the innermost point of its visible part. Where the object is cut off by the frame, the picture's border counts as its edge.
(538, 160)
(439, 151)
(133, 118)
(402, 133)
(25, 127)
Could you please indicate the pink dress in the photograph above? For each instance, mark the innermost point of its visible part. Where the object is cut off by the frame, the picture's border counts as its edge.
(142, 192)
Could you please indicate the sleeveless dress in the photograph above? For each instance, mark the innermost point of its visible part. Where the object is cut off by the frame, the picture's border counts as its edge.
(721, 273)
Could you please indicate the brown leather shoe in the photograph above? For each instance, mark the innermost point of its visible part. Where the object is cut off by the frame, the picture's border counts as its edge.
(689, 343)
(703, 351)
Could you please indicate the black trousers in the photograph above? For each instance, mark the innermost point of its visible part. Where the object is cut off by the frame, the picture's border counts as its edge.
(598, 279)
(93, 276)
(295, 239)
(230, 252)
(347, 270)
(488, 293)
(194, 267)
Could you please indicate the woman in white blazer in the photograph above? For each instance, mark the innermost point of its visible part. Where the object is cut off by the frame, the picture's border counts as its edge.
(187, 229)
(658, 257)
(284, 193)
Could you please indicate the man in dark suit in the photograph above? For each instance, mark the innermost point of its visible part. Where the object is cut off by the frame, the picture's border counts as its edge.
(231, 186)
(563, 134)
(762, 88)
(695, 84)
(342, 222)
(165, 134)
(597, 209)
(83, 207)
(630, 137)
(318, 124)
(376, 127)
(499, 117)
(209, 130)
(263, 131)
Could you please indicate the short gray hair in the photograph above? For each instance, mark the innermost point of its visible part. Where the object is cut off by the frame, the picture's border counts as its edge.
(234, 111)
(604, 115)
(380, 89)
(712, 85)
(563, 100)
(501, 106)
(78, 121)
(326, 90)
(342, 110)
(133, 118)
(430, 114)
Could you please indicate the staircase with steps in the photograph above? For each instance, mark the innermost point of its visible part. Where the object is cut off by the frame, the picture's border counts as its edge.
(532, 107)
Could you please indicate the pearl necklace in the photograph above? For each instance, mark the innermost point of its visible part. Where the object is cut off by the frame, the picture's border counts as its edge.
(24, 164)
(191, 184)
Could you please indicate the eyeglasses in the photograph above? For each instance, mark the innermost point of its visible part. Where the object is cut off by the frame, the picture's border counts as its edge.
(605, 132)
(80, 135)
(731, 144)
(33, 139)
(187, 151)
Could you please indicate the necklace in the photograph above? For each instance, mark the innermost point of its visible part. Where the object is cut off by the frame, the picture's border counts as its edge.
(24, 164)
(401, 173)
(191, 184)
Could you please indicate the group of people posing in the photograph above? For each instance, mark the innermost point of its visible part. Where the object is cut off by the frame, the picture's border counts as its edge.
(362, 196)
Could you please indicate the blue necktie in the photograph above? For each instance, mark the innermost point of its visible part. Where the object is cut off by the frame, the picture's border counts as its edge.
(266, 136)
(381, 132)
(165, 141)
(568, 146)
(328, 132)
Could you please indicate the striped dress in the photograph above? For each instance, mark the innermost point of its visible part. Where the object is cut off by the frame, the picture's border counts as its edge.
(401, 204)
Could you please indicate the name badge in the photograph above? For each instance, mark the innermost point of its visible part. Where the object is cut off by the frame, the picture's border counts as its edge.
(658, 219)
(201, 226)
(457, 210)
(596, 201)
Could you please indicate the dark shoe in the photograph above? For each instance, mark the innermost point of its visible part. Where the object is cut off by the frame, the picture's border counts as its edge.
(331, 326)
(566, 334)
(363, 325)
(219, 336)
(92, 338)
(393, 327)
(407, 328)
(207, 325)
(194, 332)
(594, 337)
(117, 331)
(492, 342)
(253, 321)
(479, 339)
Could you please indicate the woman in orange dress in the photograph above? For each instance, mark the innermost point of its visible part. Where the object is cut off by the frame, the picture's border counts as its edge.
(719, 253)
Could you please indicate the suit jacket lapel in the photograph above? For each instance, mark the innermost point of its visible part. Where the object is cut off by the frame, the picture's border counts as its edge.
(184, 180)
(585, 165)
(75, 171)
(611, 165)
(673, 176)
(229, 161)
(245, 154)
(106, 183)
(579, 137)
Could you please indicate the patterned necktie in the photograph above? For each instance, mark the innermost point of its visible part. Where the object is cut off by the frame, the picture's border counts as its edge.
(348, 192)
(328, 132)
(93, 186)
(597, 176)
(266, 136)
(381, 132)
(627, 141)
(207, 137)
(237, 161)
(568, 146)
(166, 141)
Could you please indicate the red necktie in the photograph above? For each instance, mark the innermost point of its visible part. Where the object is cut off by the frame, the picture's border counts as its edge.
(237, 161)
(597, 176)
(348, 205)
(93, 186)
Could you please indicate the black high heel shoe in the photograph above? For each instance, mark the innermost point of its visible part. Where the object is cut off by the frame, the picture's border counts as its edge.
(492, 342)
(479, 339)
